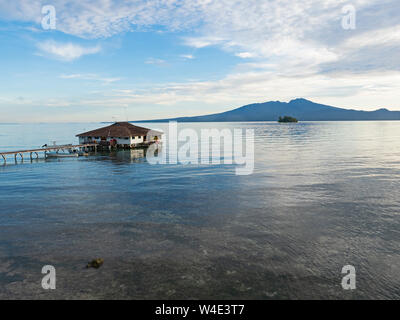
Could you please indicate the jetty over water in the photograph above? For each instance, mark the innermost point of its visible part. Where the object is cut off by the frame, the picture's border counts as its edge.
(56, 148)
(120, 135)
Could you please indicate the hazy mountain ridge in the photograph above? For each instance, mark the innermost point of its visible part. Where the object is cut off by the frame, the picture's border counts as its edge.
(301, 109)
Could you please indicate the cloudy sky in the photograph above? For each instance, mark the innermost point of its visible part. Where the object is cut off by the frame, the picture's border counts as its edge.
(147, 59)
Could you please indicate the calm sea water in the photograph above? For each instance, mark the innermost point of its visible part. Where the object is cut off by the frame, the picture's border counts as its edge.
(322, 196)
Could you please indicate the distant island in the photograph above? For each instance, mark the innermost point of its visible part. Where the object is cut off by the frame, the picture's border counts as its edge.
(287, 119)
(302, 109)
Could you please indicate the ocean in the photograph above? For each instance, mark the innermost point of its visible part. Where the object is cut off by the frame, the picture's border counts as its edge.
(322, 195)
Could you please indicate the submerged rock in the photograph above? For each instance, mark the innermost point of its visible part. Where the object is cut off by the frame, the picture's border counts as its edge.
(95, 263)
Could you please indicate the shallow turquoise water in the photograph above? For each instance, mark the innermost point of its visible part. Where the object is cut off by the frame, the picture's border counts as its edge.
(322, 195)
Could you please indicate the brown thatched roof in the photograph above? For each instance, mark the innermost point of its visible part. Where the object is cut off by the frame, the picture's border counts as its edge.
(118, 129)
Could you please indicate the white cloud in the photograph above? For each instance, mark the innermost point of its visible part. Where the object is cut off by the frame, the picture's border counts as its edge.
(299, 46)
(187, 56)
(301, 34)
(369, 91)
(155, 61)
(245, 55)
(90, 76)
(202, 42)
(384, 36)
(65, 51)
(71, 76)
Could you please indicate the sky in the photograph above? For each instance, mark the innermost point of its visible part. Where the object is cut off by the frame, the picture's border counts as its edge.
(131, 60)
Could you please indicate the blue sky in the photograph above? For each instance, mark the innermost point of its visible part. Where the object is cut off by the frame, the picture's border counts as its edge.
(152, 59)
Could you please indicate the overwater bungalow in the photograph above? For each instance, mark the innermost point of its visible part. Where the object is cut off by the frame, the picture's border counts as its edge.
(122, 135)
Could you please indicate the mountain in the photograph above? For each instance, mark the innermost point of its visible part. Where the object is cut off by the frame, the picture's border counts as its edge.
(301, 109)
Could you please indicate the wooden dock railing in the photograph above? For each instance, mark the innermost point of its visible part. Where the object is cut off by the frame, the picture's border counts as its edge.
(50, 148)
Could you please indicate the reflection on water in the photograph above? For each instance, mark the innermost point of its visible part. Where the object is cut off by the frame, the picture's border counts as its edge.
(322, 195)
(126, 156)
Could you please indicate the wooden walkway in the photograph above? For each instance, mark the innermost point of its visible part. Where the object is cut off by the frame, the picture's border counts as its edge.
(51, 148)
